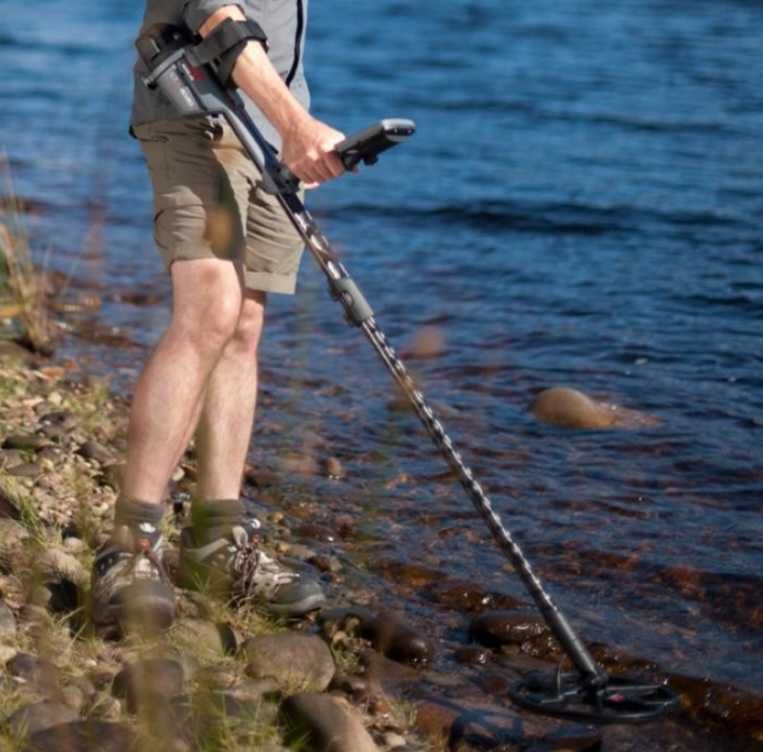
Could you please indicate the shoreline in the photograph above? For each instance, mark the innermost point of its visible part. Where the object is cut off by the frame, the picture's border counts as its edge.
(62, 440)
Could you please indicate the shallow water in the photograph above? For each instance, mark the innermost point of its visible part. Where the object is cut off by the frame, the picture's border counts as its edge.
(581, 205)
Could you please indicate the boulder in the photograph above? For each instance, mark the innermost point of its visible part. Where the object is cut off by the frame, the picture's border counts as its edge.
(326, 723)
(298, 662)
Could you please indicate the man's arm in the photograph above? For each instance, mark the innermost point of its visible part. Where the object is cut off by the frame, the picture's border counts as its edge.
(308, 144)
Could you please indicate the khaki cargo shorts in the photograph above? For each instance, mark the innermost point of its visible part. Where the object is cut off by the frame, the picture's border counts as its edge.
(209, 203)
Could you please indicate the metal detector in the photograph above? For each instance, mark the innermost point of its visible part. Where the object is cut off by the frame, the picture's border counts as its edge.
(194, 89)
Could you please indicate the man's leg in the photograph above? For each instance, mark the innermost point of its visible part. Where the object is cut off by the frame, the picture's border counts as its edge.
(225, 426)
(205, 312)
(129, 581)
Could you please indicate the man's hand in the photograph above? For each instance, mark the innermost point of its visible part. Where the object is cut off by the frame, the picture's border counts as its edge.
(308, 151)
(308, 144)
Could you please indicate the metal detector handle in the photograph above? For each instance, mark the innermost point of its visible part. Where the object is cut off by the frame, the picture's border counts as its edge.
(366, 145)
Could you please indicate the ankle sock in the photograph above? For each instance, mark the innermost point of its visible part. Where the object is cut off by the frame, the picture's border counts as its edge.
(214, 517)
(134, 513)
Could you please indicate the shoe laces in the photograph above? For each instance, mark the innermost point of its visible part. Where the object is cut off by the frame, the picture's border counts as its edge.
(256, 573)
(143, 549)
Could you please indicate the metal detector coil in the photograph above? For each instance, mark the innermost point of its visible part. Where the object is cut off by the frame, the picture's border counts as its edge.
(590, 694)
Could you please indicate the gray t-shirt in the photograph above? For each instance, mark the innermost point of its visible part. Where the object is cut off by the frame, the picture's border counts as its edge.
(284, 23)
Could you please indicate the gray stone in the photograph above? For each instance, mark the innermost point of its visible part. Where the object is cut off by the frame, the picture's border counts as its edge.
(143, 681)
(83, 736)
(298, 662)
(35, 672)
(29, 719)
(26, 442)
(329, 724)
(205, 637)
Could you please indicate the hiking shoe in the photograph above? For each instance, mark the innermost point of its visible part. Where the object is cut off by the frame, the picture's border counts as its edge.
(233, 564)
(129, 582)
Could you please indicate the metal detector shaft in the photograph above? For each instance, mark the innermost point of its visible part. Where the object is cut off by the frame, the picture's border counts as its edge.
(360, 313)
(198, 92)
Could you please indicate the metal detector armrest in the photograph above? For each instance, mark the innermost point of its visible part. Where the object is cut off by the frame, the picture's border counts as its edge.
(366, 145)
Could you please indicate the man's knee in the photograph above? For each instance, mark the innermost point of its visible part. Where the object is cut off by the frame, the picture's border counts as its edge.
(250, 322)
(206, 302)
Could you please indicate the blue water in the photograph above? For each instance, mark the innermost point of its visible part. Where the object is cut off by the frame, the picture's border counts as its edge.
(582, 205)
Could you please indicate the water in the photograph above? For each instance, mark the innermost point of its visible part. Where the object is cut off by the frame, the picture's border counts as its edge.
(581, 205)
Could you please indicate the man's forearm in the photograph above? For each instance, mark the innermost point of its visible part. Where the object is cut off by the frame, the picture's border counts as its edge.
(259, 80)
(308, 144)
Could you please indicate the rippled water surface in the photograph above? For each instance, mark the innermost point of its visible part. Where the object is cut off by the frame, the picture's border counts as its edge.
(581, 205)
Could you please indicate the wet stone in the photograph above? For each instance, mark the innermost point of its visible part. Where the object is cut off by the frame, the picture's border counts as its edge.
(37, 716)
(296, 661)
(477, 723)
(472, 656)
(498, 628)
(397, 640)
(329, 724)
(83, 736)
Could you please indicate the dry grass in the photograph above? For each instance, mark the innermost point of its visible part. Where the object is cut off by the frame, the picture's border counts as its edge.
(22, 286)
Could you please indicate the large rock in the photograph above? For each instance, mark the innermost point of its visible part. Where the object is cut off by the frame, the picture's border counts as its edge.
(83, 736)
(570, 408)
(562, 406)
(477, 723)
(29, 719)
(327, 724)
(298, 662)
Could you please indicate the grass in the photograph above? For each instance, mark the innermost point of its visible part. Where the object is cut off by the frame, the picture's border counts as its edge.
(22, 286)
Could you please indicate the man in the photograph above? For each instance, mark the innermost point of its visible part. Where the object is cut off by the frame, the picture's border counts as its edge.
(226, 244)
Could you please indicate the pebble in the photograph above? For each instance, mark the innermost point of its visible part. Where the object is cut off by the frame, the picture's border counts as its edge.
(74, 545)
(334, 469)
(393, 740)
(92, 450)
(11, 533)
(298, 662)
(327, 723)
(25, 470)
(24, 442)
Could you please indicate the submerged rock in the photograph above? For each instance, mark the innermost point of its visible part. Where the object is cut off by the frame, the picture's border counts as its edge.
(497, 629)
(570, 408)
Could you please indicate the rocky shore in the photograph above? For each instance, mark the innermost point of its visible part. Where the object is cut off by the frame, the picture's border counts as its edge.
(356, 678)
